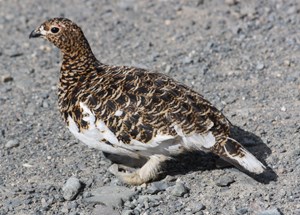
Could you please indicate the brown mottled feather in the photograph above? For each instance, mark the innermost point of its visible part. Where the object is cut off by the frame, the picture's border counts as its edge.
(151, 103)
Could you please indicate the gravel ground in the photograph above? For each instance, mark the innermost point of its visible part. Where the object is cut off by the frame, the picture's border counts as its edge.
(243, 56)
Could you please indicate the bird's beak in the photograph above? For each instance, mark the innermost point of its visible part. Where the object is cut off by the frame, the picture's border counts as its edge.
(35, 33)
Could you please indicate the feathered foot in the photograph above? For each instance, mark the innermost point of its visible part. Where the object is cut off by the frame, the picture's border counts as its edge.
(147, 173)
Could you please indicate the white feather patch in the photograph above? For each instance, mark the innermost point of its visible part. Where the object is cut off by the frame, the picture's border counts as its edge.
(96, 134)
(196, 141)
(118, 113)
(42, 30)
(157, 145)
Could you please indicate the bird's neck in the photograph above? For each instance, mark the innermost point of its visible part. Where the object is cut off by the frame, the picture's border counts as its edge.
(76, 65)
(81, 58)
(78, 58)
(78, 61)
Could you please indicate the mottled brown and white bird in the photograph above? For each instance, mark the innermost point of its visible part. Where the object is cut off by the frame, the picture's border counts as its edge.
(134, 112)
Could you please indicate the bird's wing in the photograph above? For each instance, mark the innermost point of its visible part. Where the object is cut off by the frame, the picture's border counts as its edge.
(141, 107)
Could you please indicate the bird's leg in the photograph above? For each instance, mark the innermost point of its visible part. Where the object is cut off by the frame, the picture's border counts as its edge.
(146, 173)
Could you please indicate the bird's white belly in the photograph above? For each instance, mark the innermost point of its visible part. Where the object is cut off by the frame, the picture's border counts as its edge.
(99, 136)
(98, 139)
(95, 138)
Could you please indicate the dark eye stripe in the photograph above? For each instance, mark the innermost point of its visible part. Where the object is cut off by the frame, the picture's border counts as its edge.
(54, 30)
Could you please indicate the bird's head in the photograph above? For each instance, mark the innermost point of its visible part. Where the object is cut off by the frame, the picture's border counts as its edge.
(63, 33)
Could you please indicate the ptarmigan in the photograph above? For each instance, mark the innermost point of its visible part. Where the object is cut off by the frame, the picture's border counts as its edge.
(134, 112)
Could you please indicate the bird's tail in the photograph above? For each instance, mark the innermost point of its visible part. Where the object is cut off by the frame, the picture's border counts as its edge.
(233, 152)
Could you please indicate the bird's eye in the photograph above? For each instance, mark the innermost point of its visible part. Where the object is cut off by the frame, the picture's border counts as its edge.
(54, 30)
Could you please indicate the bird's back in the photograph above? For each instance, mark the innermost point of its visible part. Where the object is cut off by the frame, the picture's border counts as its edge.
(139, 105)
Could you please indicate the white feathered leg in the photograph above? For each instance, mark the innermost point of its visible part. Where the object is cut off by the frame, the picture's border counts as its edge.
(146, 173)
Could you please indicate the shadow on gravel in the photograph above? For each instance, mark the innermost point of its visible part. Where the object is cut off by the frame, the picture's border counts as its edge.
(200, 161)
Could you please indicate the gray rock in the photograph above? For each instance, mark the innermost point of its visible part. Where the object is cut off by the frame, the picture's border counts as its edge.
(168, 68)
(196, 207)
(30, 109)
(71, 188)
(130, 204)
(102, 209)
(187, 60)
(126, 5)
(287, 62)
(179, 189)
(45, 104)
(111, 196)
(273, 211)
(170, 178)
(150, 198)
(242, 211)
(73, 205)
(13, 203)
(127, 212)
(65, 209)
(44, 203)
(158, 186)
(224, 181)
(231, 2)
(86, 194)
(260, 66)
(11, 144)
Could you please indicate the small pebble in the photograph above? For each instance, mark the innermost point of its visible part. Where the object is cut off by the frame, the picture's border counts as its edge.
(127, 212)
(196, 207)
(188, 209)
(71, 188)
(283, 109)
(231, 2)
(187, 60)
(287, 63)
(65, 209)
(44, 202)
(273, 211)
(45, 104)
(73, 205)
(170, 178)
(167, 22)
(260, 66)
(224, 181)
(111, 196)
(179, 189)
(102, 209)
(158, 186)
(86, 194)
(241, 211)
(11, 144)
(168, 68)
